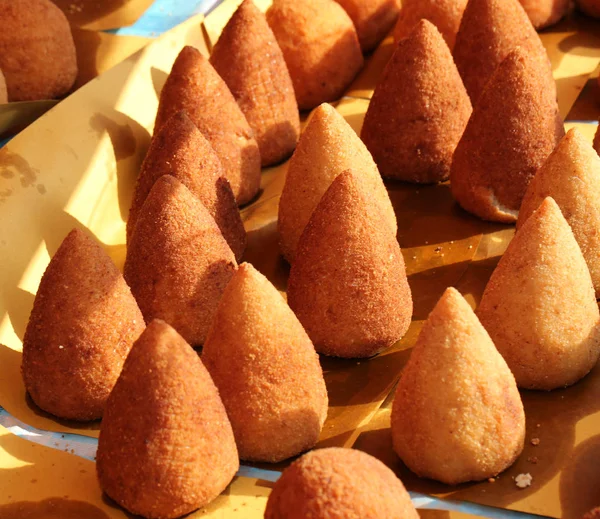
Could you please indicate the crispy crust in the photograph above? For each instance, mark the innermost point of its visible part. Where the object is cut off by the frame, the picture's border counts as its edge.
(3, 91)
(320, 46)
(328, 146)
(166, 446)
(373, 20)
(333, 483)
(82, 326)
(194, 86)
(444, 14)
(178, 262)
(419, 110)
(179, 149)
(37, 53)
(250, 61)
(514, 127)
(348, 285)
(266, 369)
(457, 414)
(489, 31)
(539, 305)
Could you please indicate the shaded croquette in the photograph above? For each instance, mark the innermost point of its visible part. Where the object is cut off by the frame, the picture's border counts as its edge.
(250, 61)
(320, 46)
(166, 446)
(83, 323)
(489, 31)
(539, 305)
(348, 285)
(419, 110)
(544, 13)
(178, 262)
(457, 414)
(373, 19)
(179, 149)
(333, 483)
(194, 86)
(571, 176)
(266, 369)
(37, 53)
(515, 125)
(328, 146)
(444, 14)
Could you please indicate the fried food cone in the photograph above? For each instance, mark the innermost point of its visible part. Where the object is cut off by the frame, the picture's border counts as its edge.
(178, 262)
(179, 149)
(37, 52)
(194, 86)
(571, 176)
(544, 13)
(335, 482)
(328, 146)
(250, 61)
(597, 136)
(515, 125)
(166, 446)
(489, 31)
(589, 7)
(444, 14)
(539, 305)
(83, 323)
(3, 92)
(266, 369)
(457, 414)
(419, 110)
(320, 46)
(348, 284)
(373, 20)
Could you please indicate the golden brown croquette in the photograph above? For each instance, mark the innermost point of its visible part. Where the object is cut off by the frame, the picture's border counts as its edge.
(194, 86)
(250, 61)
(83, 323)
(539, 305)
(166, 446)
(178, 262)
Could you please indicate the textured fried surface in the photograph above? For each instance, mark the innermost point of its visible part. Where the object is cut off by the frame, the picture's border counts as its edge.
(444, 14)
(82, 326)
(419, 110)
(372, 20)
(320, 46)
(194, 86)
(539, 306)
(250, 61)
(571, 176)
(337, 483)
(178, 262)
(544, 13)
(457, 414)
(37, 53)
(328, 146)
(589, 7)
(489, 31)
(166, 446)
(514, 127)
(348, 284)
(3, 91)
(179, 149)
(266, 369)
